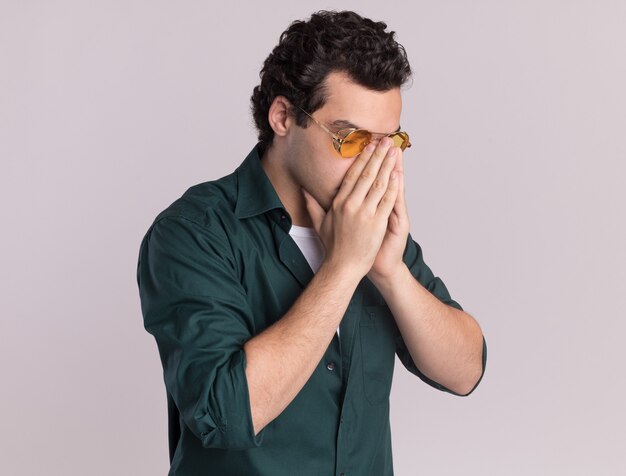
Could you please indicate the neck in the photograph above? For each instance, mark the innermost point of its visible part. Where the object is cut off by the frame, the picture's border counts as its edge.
(286, 186)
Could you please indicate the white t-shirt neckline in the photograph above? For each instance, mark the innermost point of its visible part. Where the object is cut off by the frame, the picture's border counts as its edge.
(302, 231)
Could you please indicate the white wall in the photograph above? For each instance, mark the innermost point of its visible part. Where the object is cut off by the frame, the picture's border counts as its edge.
(110, 110)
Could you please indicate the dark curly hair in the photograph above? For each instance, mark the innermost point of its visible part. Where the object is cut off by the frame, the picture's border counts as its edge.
(309, 50)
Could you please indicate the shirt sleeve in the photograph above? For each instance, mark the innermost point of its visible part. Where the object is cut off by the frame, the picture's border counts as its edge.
(195, 307)
(414, 259)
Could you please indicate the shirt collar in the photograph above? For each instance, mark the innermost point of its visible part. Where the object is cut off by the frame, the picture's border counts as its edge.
(255, 192)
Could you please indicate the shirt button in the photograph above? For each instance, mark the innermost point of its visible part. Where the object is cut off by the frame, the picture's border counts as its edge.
(341, 419)
(282, 217)
(330, 366)
(342, 474)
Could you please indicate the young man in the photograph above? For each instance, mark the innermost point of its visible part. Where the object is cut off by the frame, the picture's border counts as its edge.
(279, 295)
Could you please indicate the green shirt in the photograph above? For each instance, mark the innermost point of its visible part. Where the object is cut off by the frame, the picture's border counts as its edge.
(217, 267)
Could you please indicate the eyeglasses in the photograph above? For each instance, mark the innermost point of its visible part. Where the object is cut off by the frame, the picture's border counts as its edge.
(350, 142)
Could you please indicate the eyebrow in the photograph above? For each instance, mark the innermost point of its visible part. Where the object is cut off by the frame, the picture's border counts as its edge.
(344, 124)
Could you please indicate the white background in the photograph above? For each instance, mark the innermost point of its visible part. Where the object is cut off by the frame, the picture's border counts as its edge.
(110, 110)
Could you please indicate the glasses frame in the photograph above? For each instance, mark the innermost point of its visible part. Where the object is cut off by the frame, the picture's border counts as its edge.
(338, 140)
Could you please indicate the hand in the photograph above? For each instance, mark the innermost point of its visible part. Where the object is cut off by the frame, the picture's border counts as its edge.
(389, 257)
(353, 228)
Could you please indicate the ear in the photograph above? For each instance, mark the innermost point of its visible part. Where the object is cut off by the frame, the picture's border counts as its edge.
(279, 117)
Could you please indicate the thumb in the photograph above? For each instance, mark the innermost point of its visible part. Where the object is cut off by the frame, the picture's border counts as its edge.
(315, 210)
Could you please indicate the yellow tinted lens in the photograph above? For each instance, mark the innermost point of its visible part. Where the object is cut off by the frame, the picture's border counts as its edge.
(401, 139)
(354, 143)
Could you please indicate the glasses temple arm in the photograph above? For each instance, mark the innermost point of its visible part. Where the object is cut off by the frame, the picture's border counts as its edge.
(335, 136)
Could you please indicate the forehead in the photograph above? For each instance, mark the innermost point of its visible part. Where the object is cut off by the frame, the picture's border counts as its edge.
(348, 101)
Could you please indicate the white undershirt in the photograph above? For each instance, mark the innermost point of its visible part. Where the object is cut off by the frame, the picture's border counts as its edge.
(311, 246)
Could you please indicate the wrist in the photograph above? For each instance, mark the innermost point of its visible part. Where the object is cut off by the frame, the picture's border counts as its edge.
(342, 271)
(390, 281)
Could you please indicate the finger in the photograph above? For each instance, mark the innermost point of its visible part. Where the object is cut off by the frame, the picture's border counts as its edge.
(400, 206)
(401, 199)
(371, 173)
(380, 184)
(399, 161)
(353, 174)
(385, 206)
(315, 210)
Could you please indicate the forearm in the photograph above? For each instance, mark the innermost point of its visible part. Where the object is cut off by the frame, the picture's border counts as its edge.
(444, 342)
(281, 359)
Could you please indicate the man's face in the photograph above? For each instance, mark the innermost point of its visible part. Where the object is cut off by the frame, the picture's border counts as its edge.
(312, 160)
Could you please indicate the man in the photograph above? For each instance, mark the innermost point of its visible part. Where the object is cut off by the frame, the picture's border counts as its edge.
(279, 295)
